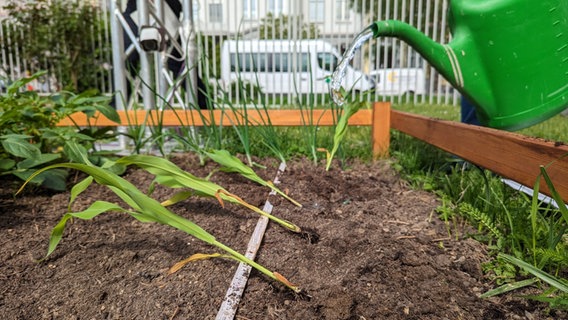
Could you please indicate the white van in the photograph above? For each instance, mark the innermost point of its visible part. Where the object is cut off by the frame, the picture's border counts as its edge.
(283, 66)
(396, 82)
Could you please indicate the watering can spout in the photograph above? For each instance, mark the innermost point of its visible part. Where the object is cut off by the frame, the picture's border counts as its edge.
(441, 57)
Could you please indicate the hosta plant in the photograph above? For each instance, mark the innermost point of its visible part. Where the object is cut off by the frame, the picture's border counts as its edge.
(30, 137)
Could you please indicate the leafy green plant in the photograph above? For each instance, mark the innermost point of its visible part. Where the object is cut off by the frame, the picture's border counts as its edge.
(142, 207)
(349, 109)
(21, 158)
(29, 134)
(557, 284)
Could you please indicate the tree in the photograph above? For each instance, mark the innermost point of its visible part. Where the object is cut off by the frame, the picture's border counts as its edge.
(280, 27)
(58, 35)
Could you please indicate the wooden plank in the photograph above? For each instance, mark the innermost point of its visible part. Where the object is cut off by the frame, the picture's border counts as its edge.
(234, 294)
(508, 154)
(381, 130)
(378, 118)
(169, 118)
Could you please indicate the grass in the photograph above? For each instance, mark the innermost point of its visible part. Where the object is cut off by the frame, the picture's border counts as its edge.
(524, 235)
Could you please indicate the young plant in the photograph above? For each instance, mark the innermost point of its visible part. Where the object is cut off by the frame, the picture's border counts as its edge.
(548, 296)
(142, 207)
(341, 128)
(29, 134)
(170, 175)
(310, 125)
(230, 163)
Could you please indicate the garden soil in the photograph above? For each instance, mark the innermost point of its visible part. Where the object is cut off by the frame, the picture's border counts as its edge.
(377, 250)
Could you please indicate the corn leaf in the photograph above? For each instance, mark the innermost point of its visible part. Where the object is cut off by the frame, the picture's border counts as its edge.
(230, 163)
(170, 175)
(341, 129)
(78, 189)
(94, 210)
(147, 210)
(177, 197)
(555, 195)
(195, 257)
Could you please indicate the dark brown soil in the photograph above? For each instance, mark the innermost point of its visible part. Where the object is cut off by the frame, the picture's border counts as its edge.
(382, 254)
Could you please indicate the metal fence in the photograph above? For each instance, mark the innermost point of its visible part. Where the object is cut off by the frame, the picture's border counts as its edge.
(400, 73)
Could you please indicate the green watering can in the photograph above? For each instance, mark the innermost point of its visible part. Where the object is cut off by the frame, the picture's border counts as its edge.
(508, 57)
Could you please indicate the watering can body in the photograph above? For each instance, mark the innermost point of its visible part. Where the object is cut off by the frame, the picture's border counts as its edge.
(508, 57)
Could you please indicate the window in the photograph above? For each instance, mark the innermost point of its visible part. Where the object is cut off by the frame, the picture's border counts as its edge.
(317, 10)
(275, 6)
(327, 61)
(342, 12)
(250, 9)
(215, 12)
(250, 62)
(269, 62)
(304, 63)
(280, 62)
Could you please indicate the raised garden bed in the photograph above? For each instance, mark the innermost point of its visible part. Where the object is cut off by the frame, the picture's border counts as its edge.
(381, 253)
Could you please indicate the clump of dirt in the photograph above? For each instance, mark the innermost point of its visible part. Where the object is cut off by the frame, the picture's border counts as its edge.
(375, 250)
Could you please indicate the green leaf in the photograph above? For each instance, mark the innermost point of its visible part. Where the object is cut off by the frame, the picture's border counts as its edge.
(170, 175)
(41, 159)
(16, 136)
(7, 164)
(54, 179)
(76, 152)
(555, 195)
(20, 148)
(109, 112)
(509, 287)
(78, 189)
(550, 279)
(177, 197)
(231, 163)
(341, 129)
(94, 210)
(15, 86)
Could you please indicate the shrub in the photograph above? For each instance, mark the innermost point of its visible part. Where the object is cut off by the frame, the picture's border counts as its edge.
(29, 135)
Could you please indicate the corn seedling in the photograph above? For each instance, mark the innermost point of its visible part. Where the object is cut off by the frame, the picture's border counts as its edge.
(341, 128)
(142, 207)
(230, 163)
(168, 174)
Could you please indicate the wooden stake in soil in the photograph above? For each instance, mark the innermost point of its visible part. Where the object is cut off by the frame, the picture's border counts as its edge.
(233, 296)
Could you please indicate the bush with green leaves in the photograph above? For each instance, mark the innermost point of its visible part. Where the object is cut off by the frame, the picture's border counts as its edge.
(30, 137)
